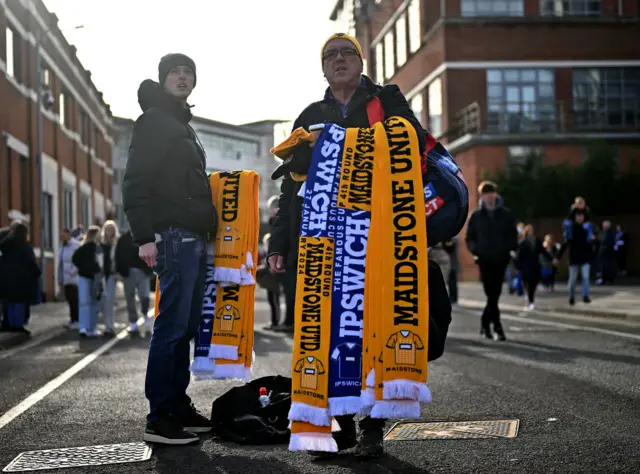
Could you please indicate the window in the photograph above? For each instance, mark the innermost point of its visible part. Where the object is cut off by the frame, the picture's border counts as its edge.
(435, 107)
(492, 7)
(13, 54)
(570, 7)
(67, 208)
(25, 188)
(62, 111)
(389, 62)
(606, 97)
(380, 63)
(401, 40)
(521, 100)
(85, 215)
(417, 105)
(85, 129)
(415, 30)
(48, 221)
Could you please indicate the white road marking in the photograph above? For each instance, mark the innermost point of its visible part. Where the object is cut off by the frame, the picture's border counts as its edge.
(48, 388)
(572, 326)
(33, 343)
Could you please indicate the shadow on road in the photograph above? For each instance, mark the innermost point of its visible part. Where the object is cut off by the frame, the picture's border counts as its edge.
(359, 465)
(542, 352)
(265, 343)
(193, 460)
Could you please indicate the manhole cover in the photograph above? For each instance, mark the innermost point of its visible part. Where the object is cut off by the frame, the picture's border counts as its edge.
(80, 456)
(412, 431)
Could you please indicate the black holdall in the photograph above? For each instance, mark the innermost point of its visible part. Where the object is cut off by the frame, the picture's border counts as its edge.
(239, 416)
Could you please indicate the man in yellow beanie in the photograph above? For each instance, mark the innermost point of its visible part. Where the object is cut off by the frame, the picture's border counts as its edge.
(345, 104)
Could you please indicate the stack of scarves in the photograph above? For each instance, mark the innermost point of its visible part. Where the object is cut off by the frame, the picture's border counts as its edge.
(361, 314)
(224, 341)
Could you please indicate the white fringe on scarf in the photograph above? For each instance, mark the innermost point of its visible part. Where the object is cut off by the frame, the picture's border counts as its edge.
(344, 405)
(309, 414)
(220, 351)
(396, 409)
(407, 390)
(313, 442)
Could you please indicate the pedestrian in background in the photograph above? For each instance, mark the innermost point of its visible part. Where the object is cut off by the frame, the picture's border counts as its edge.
(528, 261)
(622, 249)
(89, 260)
(549, 262)
(492, 238)
(18, 278)
(68, 276)
(579, 240)
(451, 247)
(607, 254)
(136, 276)
(108, 241)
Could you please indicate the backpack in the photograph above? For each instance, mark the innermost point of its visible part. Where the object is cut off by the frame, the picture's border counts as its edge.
(239, 416)
(445, 191)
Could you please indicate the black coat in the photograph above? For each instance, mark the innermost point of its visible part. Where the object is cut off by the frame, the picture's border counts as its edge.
(86, 260)
(19, 271)
(286, 225)
(492, 235)
(529, 257)
(165, 184)
(581, 249)
(127, 256)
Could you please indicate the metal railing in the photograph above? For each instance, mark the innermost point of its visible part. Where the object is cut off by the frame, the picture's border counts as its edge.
(574, 116)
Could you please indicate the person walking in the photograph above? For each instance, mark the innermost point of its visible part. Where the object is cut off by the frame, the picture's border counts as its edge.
(529, 263)
(167, 201)
(19, 278)
(68, 276)
(549, 262)
(136, 276)
(580, 242)
(89, 261)
(607, 254)
(492, 239)
(108, 241)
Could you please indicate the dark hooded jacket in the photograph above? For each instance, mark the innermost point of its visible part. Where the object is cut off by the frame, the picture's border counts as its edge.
(492, 234)
(286, 225)
(165, 184)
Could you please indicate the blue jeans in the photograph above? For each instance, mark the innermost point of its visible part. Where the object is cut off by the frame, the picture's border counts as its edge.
(573, 279)
(88, 305)
(181, 268)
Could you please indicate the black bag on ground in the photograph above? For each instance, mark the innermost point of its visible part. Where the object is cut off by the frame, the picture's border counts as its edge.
(439, 311)
(239, 416)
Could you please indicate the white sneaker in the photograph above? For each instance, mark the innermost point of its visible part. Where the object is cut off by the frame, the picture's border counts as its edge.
(133, 327)
(148, 322)
(531, 307)
(94, 333)
(70, 325)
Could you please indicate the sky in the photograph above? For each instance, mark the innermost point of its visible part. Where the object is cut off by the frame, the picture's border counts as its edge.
(255, 59)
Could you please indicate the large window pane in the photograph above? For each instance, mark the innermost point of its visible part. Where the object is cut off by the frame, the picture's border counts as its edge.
(9, 36)
(606, 98)
(520, 100)
(389, 61)
(570, 7)
(435, 107)
(471, 8)
(401, 40)
(380, 63)
(415, 30)
(417, 105)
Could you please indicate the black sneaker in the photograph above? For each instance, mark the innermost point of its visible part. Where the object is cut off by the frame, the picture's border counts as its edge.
(370, 443)
(167, 431)
(486, 333)
(586, 299)
(195, 422)
(572, 301)
(346, 438)
(499, 333)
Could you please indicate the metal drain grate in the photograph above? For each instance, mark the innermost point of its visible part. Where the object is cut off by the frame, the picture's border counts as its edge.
(412, 431)
(80, 456)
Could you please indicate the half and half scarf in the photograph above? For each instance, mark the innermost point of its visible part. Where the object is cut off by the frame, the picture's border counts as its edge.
(358, 312)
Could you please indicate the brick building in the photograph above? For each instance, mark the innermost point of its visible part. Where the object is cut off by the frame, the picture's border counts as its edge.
(77, 137)
(498, 81)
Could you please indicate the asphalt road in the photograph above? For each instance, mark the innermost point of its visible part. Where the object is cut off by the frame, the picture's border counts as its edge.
(575, 390)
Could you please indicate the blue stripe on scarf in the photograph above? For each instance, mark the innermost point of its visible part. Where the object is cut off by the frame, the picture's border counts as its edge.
(349, 229)
(203, 337)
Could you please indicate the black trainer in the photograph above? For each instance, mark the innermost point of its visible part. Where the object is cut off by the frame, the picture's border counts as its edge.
(167, 431)
(195, 422)
(586, 299)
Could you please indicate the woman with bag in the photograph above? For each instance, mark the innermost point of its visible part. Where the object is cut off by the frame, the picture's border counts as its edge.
(109, 240)
(20, 274)
(89, 261)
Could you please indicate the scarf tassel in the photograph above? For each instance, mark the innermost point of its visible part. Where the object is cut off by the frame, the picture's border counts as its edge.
(406, 390)
(309, 414)
(313, 442)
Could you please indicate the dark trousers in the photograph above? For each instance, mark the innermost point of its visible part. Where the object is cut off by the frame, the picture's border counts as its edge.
(607, 266)
(453, 286)
(531, 286)
(181, 268)
(492, 276)
(71, 295)
(290, 295)
(274, 302)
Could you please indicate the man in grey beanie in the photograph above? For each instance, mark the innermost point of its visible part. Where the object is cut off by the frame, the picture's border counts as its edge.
(167, 200)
